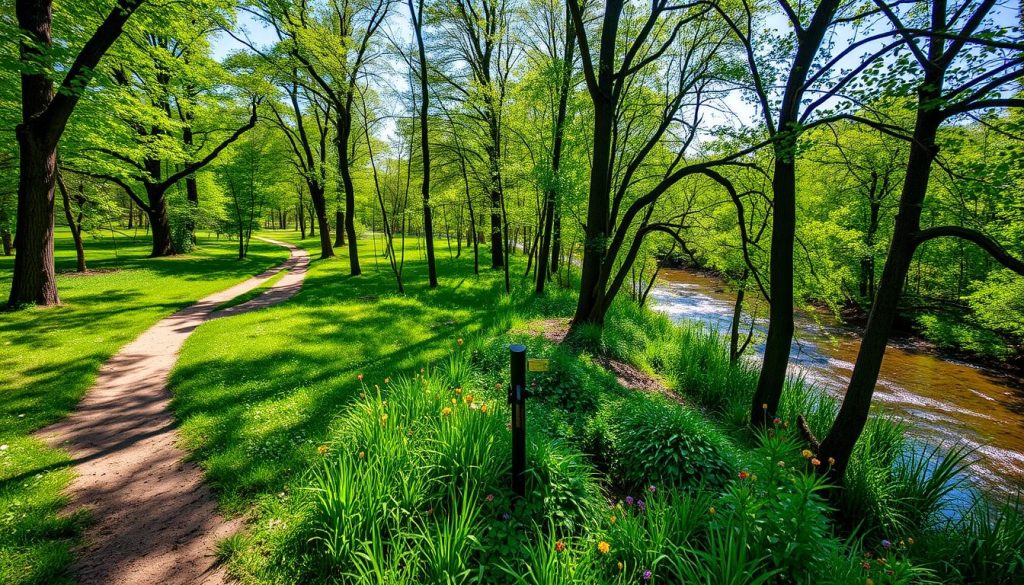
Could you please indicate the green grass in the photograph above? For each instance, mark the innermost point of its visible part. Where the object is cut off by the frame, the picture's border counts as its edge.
(50, 357)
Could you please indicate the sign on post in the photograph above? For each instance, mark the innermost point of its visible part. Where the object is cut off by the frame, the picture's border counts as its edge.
(517, 398)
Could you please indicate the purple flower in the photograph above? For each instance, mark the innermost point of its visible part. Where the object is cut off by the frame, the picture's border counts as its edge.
(629, 500)
(886, 543)
(506, 516)
(640, 505)
(652, 489)
(648, 575)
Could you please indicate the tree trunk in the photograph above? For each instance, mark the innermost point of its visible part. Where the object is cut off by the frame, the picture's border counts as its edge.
(319, 209)
(160, 225)
(853, 414)
(344, 129)
(339, 227)
(34, 280)
(75, 227)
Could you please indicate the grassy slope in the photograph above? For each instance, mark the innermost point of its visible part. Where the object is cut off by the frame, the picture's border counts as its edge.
(49, 358)
(257, 392)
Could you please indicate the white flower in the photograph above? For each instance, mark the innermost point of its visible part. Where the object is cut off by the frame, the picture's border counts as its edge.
(3, 447)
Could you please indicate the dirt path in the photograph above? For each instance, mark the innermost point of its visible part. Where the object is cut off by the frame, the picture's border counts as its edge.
(155, 521)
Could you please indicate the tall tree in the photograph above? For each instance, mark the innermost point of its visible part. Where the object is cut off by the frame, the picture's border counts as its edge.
(44, 116)
(416, 16)
(477, 66)
(970, 64)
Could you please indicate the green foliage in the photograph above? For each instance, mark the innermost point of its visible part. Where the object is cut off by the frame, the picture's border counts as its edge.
(650, 440)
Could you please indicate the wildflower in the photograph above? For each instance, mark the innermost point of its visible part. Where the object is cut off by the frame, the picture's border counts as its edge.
(603, 547)
(362, 454)
(652, 489)
(559, 546)
(383, 419)
(777, 421)
(322, 449)
(612, 519)
(454, 401)
(446, 411)
(910, 540)
(785, 424)
(744, 474)
(711, 510)
(459, 341)
(815, 461)
(498, 385)
(831, 461)
(647, 575)
(866, 565)
(387, 380)
(782, 463)
(458, 390)
(753, 477)
(764, 406)
(483, 408)
(620, 566)
(490, 497)
(468, 398)
(360, 376)
(886, 544)
(640, 505)
(629, 500)
(807, 453)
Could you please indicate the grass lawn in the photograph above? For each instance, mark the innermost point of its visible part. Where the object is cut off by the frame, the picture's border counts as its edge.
(257, 392)
(50, 357)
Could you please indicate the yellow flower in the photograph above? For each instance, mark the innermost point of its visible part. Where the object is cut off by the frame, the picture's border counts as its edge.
(362, 454)
(454, 401)
(387, 380)
(459, 341)
(322, 449)
(764, 406)
(807, 453)
(483, 408)
(711, 510)
(831, 460)
(603, 547)
(910, 540)
(620, 566)
(458, 390)
(383, 419)
(446, 411)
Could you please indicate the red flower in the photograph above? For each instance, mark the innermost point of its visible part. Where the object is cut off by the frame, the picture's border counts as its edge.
(560, 546)
(744, 475)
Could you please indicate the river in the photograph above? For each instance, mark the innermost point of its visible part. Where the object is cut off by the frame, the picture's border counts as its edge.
(944, 400)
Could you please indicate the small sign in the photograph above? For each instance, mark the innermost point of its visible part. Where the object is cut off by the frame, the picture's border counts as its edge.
(538, 365)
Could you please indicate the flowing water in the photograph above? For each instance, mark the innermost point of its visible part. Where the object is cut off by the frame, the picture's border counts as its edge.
(945, 400)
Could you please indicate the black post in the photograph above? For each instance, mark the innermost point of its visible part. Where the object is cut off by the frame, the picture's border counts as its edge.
(517, 398)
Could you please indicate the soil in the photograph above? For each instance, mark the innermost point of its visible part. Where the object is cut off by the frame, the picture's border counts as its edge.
(154, 520)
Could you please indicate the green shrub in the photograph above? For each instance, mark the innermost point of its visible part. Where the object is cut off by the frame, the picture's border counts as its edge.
(649, 440)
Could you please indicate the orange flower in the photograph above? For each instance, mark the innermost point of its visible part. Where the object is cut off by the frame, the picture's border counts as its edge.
(322, 449)
(815, 461)
(468, 398)
(360, 376)
(483, 408)
(559, 546)
(603, 547)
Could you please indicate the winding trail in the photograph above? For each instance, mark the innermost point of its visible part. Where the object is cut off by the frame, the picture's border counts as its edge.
(155, 521)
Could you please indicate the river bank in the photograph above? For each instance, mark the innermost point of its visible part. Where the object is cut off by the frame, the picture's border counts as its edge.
(946, 400)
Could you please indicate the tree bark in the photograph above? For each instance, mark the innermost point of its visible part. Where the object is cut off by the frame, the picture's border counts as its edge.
(339, 227)
(44, 117)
